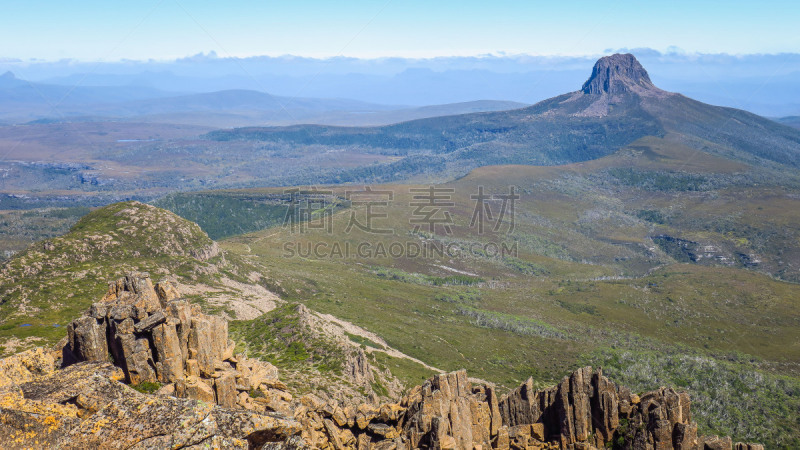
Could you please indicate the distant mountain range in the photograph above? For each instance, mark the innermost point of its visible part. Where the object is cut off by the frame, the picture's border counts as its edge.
(22, 101)
(141, 144)
(617, 105)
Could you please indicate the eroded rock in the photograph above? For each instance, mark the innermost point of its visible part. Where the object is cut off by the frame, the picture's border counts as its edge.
(156, 337)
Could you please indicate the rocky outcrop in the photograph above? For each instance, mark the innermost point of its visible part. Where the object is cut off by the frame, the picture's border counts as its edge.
(86, 406)
(350, 373)
(585, 411)
(26, 366)
(155, 337)
(618, 74)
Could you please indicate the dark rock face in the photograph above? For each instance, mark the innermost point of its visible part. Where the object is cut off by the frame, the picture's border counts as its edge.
(617, 74)
(585, 411)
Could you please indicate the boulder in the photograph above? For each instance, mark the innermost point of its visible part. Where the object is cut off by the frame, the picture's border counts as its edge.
(169, 365)
(150, 322)
(26, 366)
(199, 390)
(166, 291)
(208, 339)
(87, 339)
(225, 388)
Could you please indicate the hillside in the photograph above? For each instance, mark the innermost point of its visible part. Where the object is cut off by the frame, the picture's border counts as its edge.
(53, 280)
(542, 312)
(792, 121)
(48, 284)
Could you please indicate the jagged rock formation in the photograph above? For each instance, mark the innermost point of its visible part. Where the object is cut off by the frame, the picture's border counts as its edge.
(584, 411)
(60, 273)
(155, 337)
(617, 74)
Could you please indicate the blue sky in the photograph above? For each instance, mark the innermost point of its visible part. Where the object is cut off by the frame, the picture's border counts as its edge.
(167, 29)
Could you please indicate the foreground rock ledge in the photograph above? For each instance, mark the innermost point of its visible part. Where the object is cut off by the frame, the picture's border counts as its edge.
(86, 406)
(152, 336)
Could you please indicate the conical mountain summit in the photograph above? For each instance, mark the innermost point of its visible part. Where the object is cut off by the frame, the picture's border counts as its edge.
(618, 74)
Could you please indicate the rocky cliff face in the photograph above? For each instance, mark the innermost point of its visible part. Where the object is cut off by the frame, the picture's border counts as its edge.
(210, 397)
(618, 85)
(585, 411)
(617, 74)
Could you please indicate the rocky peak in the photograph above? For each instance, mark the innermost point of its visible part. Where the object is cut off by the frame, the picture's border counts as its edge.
(618, 74)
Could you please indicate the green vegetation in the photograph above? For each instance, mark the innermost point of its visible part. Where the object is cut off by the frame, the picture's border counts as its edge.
(408, 372)
(660, 181)
(511, 324)
(651, 215)
(21, 228)
(228, 213)
(418, 278)
(255, 393)
(730, 395)
(364, 341)
(282, 339)
(589, 276)
(525, 267)
(147, 387)
(680, 249)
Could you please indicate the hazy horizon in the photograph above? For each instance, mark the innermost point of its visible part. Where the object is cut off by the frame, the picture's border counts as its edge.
(762, 83)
